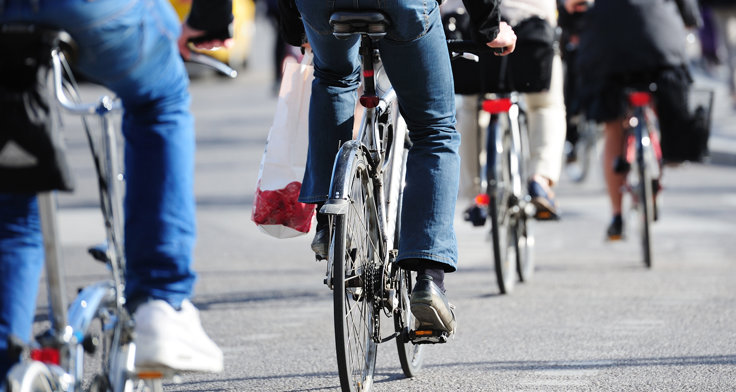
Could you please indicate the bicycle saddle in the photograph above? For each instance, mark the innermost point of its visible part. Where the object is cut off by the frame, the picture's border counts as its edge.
(347, 23)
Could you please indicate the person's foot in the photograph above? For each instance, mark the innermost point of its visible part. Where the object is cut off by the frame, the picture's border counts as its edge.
(476, 214)
(543, 199)
(173, 339)
(321, 241)
(430, 307)
(615, 230)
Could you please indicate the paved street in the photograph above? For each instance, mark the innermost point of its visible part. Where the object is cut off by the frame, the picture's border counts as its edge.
(593, 319)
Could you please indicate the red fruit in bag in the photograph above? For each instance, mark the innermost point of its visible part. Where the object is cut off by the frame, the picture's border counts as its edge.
(280, 207)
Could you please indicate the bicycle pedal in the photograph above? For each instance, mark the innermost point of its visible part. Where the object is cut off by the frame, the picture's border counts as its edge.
(546, 216)
(154, 373)
(428, 336)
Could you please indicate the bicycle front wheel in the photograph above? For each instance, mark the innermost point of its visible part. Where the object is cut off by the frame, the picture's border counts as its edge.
(355, 247)
(32, 376)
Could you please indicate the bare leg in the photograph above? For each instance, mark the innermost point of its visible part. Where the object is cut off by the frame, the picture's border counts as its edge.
(614, 142)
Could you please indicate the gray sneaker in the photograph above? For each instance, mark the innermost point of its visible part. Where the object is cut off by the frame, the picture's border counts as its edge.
(430, 307)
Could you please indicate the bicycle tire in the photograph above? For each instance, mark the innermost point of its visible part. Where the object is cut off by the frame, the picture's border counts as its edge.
(645, 207)
(411, 356)
(354, 243)
(524, 250)
(523, 223)
(500, 193)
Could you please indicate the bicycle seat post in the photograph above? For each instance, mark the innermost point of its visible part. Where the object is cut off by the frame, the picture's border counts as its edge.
(372, 26)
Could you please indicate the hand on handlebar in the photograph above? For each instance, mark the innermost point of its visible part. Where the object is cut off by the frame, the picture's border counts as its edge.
(189, 34)
(505, 41)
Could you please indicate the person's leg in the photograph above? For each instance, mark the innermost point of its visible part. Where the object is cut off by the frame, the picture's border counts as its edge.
(130, 47)
(467, 126)
(333, 100)
(135, 55)
(613, 149)
(426, 96)
(547, 127)
(21, 262)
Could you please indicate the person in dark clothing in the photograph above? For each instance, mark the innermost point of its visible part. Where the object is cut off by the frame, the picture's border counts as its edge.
(415, 57)
(624, 42)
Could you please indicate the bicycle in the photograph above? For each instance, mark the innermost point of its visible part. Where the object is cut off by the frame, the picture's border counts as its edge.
(364, 206)
(642, 162)
(96, 321)
(504, 197)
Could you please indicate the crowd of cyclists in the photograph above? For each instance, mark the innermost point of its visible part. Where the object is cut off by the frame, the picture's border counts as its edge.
(605, 46)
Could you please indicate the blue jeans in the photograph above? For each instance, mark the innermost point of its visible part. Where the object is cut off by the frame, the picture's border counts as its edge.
(130, 47)
(416, 60)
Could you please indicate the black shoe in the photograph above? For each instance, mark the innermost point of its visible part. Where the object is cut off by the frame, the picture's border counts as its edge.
(430, 307)
(476, 215)
(615, 230)
(321, 242)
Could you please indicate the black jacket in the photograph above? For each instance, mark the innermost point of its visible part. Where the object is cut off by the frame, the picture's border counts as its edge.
(484, 15)
(213, 16)
(622, 36)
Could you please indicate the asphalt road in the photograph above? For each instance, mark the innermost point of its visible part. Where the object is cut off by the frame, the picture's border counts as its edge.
(593, 319)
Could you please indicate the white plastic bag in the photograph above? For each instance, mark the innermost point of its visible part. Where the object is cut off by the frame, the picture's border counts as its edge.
(276, 210)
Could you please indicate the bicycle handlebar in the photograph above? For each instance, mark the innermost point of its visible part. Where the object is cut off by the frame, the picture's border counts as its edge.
(209, 61)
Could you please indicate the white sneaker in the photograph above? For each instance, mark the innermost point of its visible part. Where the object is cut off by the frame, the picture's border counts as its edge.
(173, 339)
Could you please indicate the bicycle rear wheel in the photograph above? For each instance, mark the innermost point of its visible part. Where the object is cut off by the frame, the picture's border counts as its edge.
(355, 249)
(500, 193)
(410, 354)
(645, 206)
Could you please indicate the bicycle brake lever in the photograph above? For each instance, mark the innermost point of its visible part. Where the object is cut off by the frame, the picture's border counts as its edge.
(468, 56)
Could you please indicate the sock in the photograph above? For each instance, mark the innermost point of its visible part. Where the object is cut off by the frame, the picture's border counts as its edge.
(438, 277)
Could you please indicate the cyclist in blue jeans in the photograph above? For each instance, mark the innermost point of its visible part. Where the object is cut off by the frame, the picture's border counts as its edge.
(415, 57)
(130, 47)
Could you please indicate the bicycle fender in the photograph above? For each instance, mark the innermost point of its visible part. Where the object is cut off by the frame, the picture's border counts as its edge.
(337, 202)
